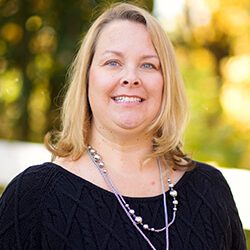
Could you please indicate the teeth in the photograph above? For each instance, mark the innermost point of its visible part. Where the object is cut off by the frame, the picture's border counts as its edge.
(127, 99)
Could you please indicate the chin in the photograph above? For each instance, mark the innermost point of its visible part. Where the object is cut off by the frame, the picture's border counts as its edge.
(130, 126)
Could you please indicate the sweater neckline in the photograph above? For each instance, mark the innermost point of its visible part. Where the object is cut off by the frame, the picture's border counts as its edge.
(180, 183)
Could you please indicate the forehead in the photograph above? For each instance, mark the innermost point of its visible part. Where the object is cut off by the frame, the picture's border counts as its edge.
(124, 35)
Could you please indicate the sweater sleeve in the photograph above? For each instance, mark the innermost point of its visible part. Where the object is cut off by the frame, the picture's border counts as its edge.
(234, 238)
(20, 210)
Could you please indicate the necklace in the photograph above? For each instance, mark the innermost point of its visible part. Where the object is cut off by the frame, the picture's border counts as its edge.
(136, 220)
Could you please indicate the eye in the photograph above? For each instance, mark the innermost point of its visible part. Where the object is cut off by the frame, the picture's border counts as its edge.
(148, 66)
(112, 63)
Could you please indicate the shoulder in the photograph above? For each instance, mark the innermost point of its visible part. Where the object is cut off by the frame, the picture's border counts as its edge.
(217, 193)
(204, 174)
(21, 204)
(208, 184)
(31, 180)
(28, 189)
(29, 184)
(205, 169)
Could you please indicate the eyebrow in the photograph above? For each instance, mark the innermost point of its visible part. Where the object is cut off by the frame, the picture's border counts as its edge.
(120, 54)
(112, 52)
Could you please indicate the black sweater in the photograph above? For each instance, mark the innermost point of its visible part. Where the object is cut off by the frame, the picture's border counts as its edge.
(47, 207)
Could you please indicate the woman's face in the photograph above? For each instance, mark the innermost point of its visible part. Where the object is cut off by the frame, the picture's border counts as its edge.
(125, 79)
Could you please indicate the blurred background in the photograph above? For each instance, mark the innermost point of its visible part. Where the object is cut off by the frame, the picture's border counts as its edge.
(38, 40)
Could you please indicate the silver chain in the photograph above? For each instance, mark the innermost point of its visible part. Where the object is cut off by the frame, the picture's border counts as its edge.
(135, 219)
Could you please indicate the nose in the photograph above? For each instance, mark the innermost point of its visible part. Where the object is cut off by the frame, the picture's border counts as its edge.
(130, 78)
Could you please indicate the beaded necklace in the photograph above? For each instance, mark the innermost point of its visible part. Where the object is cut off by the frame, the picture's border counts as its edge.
(136, 220)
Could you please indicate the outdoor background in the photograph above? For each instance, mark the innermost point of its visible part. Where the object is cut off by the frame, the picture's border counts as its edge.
(38, 40)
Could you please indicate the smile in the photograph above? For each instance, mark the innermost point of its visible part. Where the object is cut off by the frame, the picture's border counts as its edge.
(127, 99)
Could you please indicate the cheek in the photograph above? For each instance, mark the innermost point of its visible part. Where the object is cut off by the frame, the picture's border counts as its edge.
(100, 82)
(95, 84)
(93, 89)
(157, 89)
(157, 92)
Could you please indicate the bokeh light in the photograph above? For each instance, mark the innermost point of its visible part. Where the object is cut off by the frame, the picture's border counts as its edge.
(12, 32)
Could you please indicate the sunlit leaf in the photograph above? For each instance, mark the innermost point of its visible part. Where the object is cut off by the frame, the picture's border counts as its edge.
(232, 20)
(12, 32)
(44, 41)
(38, 105)
(33, 23)
(10, 85)
(235, 101)
(237, 69)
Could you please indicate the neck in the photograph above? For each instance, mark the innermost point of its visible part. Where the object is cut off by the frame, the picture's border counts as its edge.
(122, 152)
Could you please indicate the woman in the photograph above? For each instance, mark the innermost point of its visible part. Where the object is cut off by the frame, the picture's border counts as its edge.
(119, 179)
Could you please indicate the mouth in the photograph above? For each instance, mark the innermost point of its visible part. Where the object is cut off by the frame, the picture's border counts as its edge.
(127, 99)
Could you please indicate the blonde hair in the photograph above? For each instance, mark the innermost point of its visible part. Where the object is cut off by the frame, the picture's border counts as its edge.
(72, 139)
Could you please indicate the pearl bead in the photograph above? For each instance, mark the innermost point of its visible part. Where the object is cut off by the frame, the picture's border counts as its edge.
(138, 219)
(171, 185)
(173, 193)
(131, 211)
(92, 151)
(127, 205)
(145, 226)
(175, 202)
(101, 164)
(97, 157)
(175, 208)
(152, 229)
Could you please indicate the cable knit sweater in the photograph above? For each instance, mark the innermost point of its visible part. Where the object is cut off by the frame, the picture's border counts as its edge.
(47, 207)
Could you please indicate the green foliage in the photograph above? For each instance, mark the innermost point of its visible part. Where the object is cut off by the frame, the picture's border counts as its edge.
(247, 233)
(215, 58)
(1, 190)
